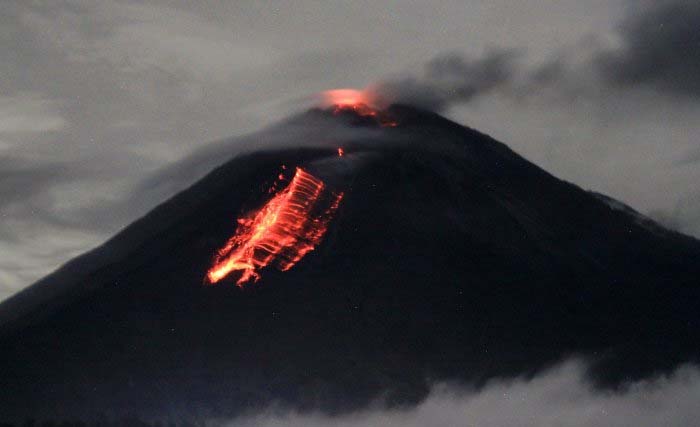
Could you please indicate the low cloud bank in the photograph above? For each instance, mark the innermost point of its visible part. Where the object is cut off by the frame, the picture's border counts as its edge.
(558, 397)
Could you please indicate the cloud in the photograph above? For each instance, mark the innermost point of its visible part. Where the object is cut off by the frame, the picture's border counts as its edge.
(20, 180)
(683, 216)
(557, 398)
(450, 79)
(31, 248)
(135, 37)
(654, 48)
(660, 48)
(28, 113)
(33, 238)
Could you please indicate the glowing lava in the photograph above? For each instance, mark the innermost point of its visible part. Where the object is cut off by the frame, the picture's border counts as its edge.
(346, 98)
(286, 228)
(359, 102)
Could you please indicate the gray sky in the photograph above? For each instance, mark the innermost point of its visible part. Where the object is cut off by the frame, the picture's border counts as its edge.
(99, 97)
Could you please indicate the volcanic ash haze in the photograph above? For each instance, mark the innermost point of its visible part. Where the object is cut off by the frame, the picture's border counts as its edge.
(449, 258)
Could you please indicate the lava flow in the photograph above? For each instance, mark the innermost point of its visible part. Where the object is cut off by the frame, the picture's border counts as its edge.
(286, 228)
(358, 102)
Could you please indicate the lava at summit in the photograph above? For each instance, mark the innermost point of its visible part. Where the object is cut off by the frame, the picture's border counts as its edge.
(286, 228)
(347, 98)
(359, 102)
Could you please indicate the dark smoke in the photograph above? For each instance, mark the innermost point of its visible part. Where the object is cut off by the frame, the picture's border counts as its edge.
(660, 49)
(451, 79)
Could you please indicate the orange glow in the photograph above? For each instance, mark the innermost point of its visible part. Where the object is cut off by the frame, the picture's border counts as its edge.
(286, 228)
(340, 152)
(345, 98)
(360, 102)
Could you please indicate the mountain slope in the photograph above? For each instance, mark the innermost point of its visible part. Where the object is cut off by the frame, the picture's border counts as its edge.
(450, 258)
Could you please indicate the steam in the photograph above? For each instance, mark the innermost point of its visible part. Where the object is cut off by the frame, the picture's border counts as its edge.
(450, 79)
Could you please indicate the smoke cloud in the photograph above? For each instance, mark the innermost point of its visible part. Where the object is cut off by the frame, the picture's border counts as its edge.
(450, 79)
(659, 48)
(558, 397)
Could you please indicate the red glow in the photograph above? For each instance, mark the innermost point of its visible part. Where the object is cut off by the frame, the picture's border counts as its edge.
(360, 102)
(340, 152)
(345, 98)
(286, 228)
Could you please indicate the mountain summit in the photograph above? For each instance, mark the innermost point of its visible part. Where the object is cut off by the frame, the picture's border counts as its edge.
(448, 258)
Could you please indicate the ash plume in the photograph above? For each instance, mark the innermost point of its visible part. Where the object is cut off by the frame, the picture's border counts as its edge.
(450, 79)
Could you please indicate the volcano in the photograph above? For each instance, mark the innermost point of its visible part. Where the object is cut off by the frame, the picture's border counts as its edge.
(449, 258)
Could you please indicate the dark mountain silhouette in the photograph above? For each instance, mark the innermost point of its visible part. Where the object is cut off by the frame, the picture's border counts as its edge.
(449, 258)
